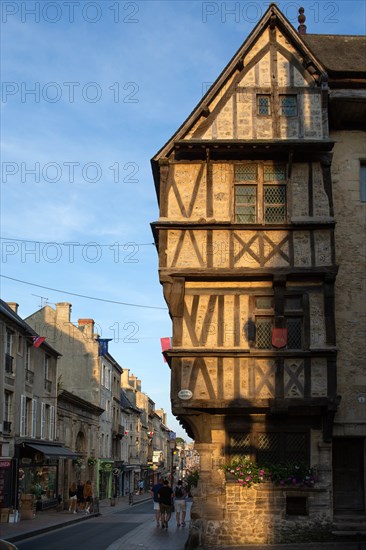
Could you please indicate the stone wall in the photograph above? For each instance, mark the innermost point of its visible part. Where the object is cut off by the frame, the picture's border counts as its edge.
(258, 516)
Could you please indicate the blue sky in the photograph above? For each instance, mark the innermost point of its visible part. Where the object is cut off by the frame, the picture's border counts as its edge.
(112, 81)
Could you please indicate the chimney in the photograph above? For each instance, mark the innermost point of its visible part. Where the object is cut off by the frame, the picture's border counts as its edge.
(125, 377)
(14, 306)
(63, 312)
(301, 19)
(87, 326)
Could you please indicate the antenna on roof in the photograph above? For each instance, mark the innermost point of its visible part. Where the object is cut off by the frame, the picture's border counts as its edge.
(301, 19)
(44, 300)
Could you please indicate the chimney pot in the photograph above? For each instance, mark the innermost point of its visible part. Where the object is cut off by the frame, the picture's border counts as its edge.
(14, 306)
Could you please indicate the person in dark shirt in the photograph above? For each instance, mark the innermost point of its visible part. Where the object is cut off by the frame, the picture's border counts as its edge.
(80, 495)
(155, 494)
(165, 495)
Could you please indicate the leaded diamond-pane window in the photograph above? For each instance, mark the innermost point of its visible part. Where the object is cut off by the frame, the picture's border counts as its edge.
(257, 201)
(240, 446)
(288, 105)
(296, 447)
(269, 448)
(246, 172)
(294, 336)
(275, 203)
(274, 172)
(264, 332)
(245, 203)
(263, 104)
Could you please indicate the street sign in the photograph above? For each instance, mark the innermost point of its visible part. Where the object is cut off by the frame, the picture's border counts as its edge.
(185, 395)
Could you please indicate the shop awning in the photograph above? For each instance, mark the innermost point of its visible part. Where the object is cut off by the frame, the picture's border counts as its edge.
(52, 451)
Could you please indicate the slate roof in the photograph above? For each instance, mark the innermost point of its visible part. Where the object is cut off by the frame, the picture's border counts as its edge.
(338, 53)
(126, 403)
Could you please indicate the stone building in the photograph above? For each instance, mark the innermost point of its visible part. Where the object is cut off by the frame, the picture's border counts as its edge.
(32, 459)
(265, 291)
(89, 372)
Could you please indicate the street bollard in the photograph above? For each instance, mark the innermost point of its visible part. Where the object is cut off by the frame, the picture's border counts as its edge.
(130, 499)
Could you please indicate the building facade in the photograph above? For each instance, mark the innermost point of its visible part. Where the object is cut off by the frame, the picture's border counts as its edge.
(89, 372)
(31, 458)
(257, 278)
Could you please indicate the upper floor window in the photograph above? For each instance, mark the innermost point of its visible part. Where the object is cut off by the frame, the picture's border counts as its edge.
(263, 104)
(260, 193)
(288, 105)
(264, 321)
(9, 342)
(266, 447)
(46, 367)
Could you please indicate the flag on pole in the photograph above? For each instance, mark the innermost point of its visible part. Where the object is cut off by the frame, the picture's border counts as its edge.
(103, 346)
(166, 343)
(38, 340)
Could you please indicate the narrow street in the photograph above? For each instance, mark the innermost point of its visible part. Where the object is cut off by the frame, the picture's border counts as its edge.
(129, 529)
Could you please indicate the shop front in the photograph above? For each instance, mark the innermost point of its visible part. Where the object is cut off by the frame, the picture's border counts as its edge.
(39, 472)
(127, 477)
(105, 468)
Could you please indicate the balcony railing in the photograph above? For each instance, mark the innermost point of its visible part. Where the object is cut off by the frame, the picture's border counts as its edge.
(29, 376)
(9, 363)
(6, 427)
(48, 385)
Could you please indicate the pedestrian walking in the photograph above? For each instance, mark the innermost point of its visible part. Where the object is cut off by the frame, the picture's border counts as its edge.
(165, 501)
(72, 498)
(88, 496)
(155, 494)
(141, 486)
(80, 495)
(180, 496)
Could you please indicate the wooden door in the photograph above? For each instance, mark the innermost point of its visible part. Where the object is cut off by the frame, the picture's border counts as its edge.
(348, 474)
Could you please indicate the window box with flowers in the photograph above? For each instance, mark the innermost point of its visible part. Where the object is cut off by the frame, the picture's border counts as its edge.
(248, 473)
(92, 461)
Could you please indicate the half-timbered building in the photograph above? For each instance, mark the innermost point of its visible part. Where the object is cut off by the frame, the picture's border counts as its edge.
(259, 280)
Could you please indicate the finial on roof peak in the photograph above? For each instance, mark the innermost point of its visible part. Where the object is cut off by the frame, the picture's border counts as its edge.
(301, 19)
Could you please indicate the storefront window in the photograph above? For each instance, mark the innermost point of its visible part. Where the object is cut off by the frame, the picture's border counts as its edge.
(40, 481)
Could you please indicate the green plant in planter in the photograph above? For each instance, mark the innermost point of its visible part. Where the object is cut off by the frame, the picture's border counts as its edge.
(249, 473)
(192, 478)
(293, 474)
(92, 461)
(78, 462)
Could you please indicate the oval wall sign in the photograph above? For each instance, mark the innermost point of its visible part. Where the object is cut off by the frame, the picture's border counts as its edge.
(185, 394)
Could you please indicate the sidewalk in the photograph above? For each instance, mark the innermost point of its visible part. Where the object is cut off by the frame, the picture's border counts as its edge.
(145, 536)
(52, 519)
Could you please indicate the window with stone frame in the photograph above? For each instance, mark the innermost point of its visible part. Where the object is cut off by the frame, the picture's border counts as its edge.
(260, 193)
(269, 447)
(264, 319)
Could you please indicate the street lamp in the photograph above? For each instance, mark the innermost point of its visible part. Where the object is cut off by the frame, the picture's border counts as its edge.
(172, 446)
(182, 460)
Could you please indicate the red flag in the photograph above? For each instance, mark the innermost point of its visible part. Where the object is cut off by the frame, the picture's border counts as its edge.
(165, 344)
(38, 340)
(279, 337)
